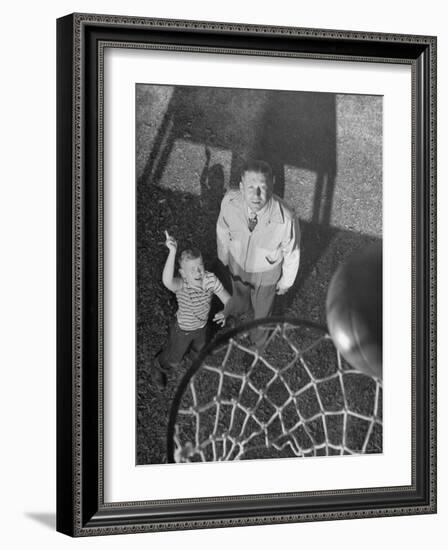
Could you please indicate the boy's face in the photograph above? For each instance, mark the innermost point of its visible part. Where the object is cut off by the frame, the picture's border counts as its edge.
(193, 271)
(256, 190)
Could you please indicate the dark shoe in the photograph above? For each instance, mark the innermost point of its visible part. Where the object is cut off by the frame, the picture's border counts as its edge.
(160, 378)
(159, 375)
(247, 361)
(231, 322)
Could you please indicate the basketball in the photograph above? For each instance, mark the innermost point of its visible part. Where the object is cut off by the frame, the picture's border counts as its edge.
(354, 309)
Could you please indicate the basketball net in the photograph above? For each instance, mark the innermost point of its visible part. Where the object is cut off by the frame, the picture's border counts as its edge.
(296, 398)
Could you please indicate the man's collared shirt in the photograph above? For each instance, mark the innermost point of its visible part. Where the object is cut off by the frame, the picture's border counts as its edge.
(272, 246)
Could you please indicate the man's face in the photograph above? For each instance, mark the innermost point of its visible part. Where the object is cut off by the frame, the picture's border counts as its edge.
(193, 271)
(256, 190)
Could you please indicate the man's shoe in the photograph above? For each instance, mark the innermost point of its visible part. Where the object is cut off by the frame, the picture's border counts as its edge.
(230, 323)
(247, 361)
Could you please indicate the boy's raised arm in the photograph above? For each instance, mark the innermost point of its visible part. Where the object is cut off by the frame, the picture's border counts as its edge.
(172, 283)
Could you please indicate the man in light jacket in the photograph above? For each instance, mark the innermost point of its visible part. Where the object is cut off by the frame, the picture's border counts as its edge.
(258, 238)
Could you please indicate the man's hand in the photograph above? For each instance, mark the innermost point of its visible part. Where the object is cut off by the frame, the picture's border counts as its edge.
(279, 289)
(220, 318)
(170, 242)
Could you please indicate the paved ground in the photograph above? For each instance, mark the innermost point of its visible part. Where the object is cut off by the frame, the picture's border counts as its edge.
(326, 154)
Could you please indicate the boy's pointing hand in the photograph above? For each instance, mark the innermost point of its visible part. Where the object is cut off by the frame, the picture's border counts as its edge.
(170, 242)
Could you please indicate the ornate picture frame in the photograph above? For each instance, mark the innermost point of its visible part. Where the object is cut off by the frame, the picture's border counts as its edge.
(81, 506)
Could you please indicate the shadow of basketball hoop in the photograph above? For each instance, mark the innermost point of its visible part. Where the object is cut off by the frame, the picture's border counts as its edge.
(287, 129)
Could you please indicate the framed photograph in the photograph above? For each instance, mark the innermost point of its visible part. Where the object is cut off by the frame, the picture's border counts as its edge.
(246, 274)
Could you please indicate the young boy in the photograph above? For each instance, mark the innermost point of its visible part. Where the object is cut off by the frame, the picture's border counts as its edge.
(194, 290)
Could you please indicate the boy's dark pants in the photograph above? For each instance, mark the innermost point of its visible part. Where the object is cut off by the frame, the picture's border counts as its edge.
(179, 342)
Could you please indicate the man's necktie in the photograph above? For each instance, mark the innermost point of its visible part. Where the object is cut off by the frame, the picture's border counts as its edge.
(252, 222)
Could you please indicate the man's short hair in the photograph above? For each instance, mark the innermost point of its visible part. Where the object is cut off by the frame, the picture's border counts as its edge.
(259, 167)
(189, 254)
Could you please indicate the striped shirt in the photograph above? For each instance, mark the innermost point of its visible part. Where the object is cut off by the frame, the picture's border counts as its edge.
(194, 303)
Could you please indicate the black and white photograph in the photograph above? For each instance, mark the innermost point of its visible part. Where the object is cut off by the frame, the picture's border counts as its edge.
(246, 275)
(258, 273)
(223, 264)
